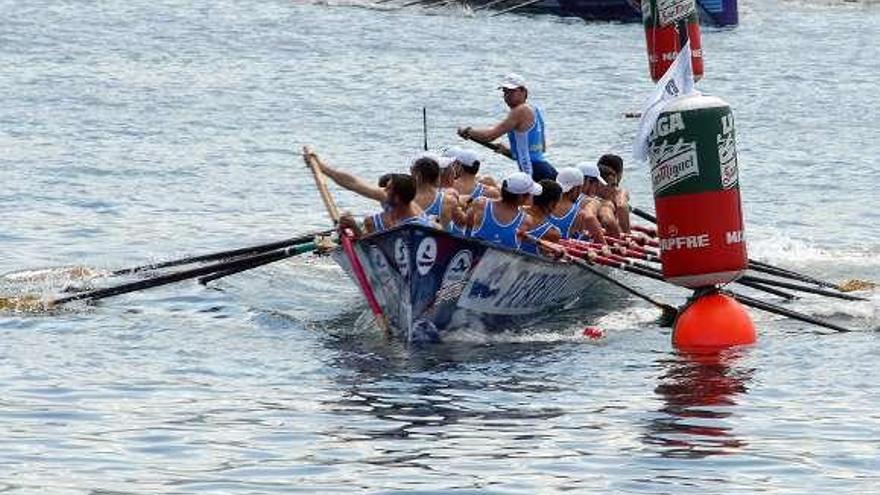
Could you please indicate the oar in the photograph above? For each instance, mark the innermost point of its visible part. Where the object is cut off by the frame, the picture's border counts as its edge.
(497, 148)
(313, 163)
(668, 313)
(33, 303)
(801, 288)
(489, 5)
(749, 301)
(849, 286)
(772, 308)
(301, 248)
(233, 253)
(516, 7)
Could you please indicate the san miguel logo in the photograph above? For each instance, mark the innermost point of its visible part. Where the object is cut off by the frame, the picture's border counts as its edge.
(670, 11)
(673, 163)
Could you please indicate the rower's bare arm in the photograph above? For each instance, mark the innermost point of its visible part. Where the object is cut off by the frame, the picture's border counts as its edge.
(475, 213)
(589, 223)
(353, 183)
(490, 134)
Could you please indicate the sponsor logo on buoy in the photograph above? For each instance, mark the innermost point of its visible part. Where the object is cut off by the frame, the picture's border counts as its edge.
(727, 153)
(426, 254)
(684, 242)
(674, 163)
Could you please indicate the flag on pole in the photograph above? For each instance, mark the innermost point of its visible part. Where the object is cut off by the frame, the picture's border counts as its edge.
(677, 81)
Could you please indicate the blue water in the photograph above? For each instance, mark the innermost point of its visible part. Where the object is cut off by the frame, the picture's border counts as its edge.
(133, 131)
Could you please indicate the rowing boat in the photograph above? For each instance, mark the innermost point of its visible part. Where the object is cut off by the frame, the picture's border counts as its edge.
(429, 282)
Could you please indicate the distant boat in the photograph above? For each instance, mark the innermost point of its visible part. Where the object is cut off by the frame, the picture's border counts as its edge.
(718, 13)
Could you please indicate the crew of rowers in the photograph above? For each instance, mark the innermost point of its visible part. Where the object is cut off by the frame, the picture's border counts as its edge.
(537, 202)
(446, 192)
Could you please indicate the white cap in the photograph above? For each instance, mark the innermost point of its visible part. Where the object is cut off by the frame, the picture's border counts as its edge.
(521, 183)
(452, 151)
(512, 81)
(467, 157)
(592, 170)
(445, 161)
(569, 177)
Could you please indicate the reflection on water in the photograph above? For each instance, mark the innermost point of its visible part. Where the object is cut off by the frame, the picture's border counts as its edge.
(454, 392)
(699, 393)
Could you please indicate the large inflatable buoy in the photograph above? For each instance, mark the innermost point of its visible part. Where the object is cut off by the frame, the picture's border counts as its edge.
(668, 25)
(692, 153)
(713, 321)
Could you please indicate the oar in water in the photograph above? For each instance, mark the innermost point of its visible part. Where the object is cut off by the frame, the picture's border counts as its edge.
(30, 303)
(749, 301)
(668, 313)
(232, 253)
(772, 308)
(848, 286)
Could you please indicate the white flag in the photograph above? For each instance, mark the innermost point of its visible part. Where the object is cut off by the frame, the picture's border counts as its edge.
(677, 81)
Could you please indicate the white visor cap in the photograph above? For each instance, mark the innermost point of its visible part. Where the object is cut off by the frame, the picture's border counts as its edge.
(592, 170)
(521, 183)
(512, 81)
(467, 157)
(569, 177)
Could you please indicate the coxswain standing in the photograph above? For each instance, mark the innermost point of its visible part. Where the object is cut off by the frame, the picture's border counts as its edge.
(571, 216)
(524, 126)
(498, 220)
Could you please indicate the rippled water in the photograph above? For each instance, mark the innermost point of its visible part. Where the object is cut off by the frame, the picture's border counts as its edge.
(138, 130)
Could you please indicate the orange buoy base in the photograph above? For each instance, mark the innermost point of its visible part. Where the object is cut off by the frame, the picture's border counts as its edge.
(713, 321)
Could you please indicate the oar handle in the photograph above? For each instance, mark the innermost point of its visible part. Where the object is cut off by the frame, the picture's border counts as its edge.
(314, 164)
(497, 148)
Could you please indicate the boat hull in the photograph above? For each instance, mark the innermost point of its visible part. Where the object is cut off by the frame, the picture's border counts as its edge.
(429, 282)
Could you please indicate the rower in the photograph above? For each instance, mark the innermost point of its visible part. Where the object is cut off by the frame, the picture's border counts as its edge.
(468, 186)
(537, 224)
(524, 126)
(498, 220)
(601, 208)
(439, 204)
(570, 216)
(400, 190)
(354, 183)
(611, 171)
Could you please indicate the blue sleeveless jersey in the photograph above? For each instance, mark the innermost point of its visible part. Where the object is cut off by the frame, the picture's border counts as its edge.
(379, 224)
(435, 209)
(527, 147)
(537, 232)
(565, 222)
(478, 191)
(492, 231)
